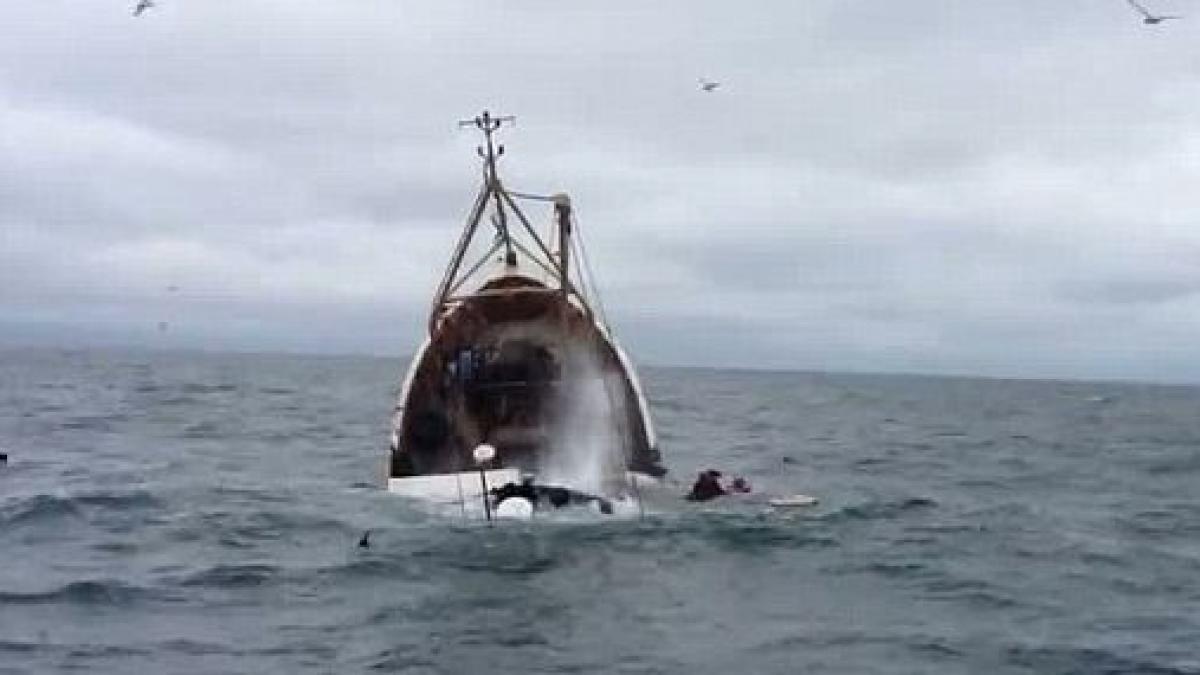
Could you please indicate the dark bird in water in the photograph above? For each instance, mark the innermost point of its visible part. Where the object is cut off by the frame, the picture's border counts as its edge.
(365, 542)
(1147, 17)
(142, 6)
(3, 458)
(708, 85)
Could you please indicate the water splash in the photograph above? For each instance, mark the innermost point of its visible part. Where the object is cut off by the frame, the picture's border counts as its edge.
(587, 450)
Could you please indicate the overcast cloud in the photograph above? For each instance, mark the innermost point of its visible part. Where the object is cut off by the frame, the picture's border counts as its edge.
(1004, 188)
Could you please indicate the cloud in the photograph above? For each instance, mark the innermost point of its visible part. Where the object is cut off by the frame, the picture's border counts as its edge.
(936, 186)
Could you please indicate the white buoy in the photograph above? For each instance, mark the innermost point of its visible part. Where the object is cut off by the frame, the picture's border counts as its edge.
(484, 453)
(515, 508)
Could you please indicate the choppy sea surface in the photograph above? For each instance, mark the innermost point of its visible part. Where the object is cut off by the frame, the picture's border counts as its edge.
(193, 513)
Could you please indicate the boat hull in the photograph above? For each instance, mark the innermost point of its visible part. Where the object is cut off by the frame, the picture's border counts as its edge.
(521, 368)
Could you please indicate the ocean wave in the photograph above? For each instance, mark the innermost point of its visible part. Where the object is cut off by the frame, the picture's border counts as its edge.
(203, 430)
(1085, 661)
(36, 508)
(880, 510)
(1169, 522)
(881, 568)
(133, 499)
(90, 592)
(391, 567)
(100, 423)
(274, 524)
(194, 647)
(51, 507)
(201, 388)
(763, 535)
(223, 493)
(974, 592)
(1181, 462)
(235, 526)
(232, 576)
(667, 534)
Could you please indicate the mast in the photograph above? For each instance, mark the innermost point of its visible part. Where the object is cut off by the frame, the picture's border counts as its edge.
(494, 197)
(562, 209)
(490, 151)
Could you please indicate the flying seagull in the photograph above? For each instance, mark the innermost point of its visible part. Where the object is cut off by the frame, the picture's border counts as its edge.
(708, 85)
(1147, 17)
(142, 6)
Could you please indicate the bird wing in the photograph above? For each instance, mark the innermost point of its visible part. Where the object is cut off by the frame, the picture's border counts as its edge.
(1141, 10)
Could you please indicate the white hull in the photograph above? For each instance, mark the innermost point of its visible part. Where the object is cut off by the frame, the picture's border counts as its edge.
(460, 496)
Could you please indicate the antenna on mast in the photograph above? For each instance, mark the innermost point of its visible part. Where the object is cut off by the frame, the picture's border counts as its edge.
(489, 125)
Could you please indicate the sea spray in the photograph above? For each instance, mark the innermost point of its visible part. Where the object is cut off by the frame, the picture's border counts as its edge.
(587, 450)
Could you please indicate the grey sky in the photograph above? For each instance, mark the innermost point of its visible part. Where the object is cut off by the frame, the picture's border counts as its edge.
(983, 187)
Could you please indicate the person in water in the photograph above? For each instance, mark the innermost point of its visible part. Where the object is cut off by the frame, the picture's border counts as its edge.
(706, 487)
(525, 490)
(559, 497)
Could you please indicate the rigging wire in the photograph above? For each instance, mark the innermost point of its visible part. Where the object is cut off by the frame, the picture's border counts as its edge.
(529, 254)
(617, 400)
(462, 279)
(591, 284)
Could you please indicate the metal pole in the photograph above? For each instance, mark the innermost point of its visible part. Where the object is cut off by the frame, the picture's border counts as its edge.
(562, 208)
(487, 507)
(483, 454)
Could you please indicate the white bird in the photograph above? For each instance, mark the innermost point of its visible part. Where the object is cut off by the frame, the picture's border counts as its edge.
(1147, 17)
(708, 85)
(142, 6)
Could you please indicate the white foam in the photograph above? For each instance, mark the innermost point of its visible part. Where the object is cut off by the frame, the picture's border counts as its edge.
(587, 452)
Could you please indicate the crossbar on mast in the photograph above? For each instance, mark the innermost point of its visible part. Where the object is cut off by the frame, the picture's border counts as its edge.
(493, 193)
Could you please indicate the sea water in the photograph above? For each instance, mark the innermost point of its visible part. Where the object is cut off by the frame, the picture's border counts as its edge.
(192, 513)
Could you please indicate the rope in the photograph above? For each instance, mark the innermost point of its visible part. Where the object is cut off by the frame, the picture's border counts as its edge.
(590, 283)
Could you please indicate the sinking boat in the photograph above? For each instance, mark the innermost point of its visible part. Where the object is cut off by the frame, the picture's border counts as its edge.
(519, 362)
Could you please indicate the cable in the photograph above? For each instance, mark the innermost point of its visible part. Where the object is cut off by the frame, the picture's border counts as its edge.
(591, 283)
